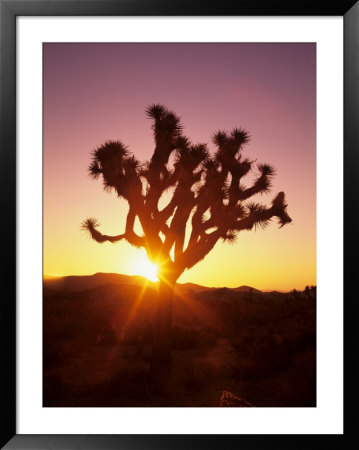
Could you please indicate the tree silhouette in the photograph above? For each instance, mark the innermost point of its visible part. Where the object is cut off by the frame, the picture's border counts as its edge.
(206, 193)
(311, 292)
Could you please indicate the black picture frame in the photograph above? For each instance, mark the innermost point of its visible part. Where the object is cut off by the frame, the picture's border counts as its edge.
(9, 10)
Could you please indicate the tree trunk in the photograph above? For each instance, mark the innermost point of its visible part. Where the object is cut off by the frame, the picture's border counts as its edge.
(162, 336)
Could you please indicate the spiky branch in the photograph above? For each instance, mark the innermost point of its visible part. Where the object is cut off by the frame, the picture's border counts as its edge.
(207, 192)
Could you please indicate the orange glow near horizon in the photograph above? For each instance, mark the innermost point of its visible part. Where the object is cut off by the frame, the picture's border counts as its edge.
(99, 92)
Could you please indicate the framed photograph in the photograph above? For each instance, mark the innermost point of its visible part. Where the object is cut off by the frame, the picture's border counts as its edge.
(174, 223)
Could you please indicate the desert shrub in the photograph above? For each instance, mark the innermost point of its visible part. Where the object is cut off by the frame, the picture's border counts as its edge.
(229, 399)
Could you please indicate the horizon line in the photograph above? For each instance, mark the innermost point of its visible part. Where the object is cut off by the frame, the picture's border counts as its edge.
(44, 276)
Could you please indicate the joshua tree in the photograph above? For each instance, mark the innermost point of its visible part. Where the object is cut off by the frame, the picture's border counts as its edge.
(311, 292)
(295, 294)
(205, 191)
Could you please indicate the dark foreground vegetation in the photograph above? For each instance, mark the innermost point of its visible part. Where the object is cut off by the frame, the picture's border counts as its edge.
(259, 347)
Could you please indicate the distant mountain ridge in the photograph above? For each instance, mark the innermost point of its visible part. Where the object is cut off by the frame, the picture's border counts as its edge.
(247, 289)
(76, 283)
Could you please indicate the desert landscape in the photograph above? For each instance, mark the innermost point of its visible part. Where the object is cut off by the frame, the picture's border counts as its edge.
(179, 241)
(230, 347)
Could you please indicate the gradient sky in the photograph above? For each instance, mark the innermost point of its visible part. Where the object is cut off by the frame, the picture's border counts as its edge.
(98, 92)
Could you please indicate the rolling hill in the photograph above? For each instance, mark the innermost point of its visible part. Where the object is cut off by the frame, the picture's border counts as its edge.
(77, 283)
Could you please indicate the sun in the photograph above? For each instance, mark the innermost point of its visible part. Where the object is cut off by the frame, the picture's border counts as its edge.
(148, 270)
(141, 265)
